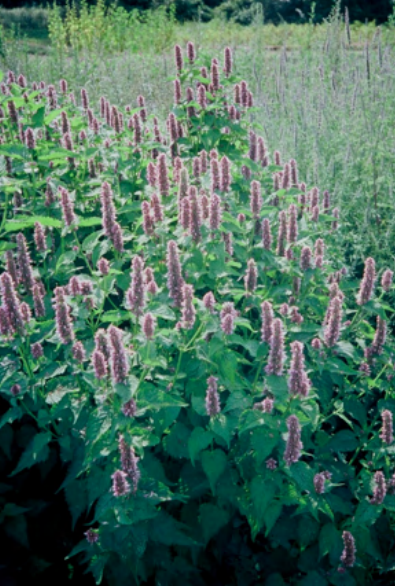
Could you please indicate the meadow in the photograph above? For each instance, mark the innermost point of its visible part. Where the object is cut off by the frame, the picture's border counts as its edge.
(196, 318)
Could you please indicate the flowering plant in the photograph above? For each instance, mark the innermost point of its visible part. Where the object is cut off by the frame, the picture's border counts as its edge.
(176, 317)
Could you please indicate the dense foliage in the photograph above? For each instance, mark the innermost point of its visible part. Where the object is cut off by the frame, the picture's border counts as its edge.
(275, 11)
(179, 328)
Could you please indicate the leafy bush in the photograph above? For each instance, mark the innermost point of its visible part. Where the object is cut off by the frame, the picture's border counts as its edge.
(177, 319)
(110, 28)
(33, 20)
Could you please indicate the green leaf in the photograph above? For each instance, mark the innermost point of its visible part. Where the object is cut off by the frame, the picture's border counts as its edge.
(11, 415)
(271, 515)
(176, 443)
(212, 519)
(151, 397)
(38, 117)
(262, 493)
(303, 475)
(88, 222)
(343, 441)
(329, 538)
(214, 463)
(76, 497)
(36, 452)
(165, 529)
(366, 514)
(278, 386)
(263, 441)
(199, 440)
(224, 426)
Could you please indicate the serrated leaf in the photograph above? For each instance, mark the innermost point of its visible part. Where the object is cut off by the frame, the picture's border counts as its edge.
(343, 441)
(76, 497)
(303, 475)
(213, 463)
(36, 452)
(329, 538)
(199, 440)
(223, 425)
(262, 492)
(271, 515)
(263, 441)
(29, 221)
(88, 222)
(176, 443)
(212, 519)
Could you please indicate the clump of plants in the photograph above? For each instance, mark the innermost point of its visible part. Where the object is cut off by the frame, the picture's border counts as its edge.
(177, 319)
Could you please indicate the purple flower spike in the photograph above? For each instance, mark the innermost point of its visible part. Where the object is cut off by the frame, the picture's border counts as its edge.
(149, 326)
(39, 238)
(99, 364)
(332, 331)
(225, 177)
(38, 302)
(175, 281)
(267, 321)
(24, 263)
(67, 207)
(298, 381)
(294, 444)
(319, 483)
(282, 232)
(380, 489)
(163, 178)
(293, 224)
(215, 212)
(305, 258)
(188, 310)
(91, 536)
(349, 550)
(386, 280)
(148, 221)
(367, 283)
(227, 61)
(387, 433)
(119, 362)
(255, 199)
(266, 234)
(136, 292)
(63, 320)
(36, 350)
(129, 462)
(251, 276)
(195, 215)
(215, 174)
(129, 408)
(209, 301)
(275, 363)
(120, 486)
(178, 58)
(107, 209)
(213, 406)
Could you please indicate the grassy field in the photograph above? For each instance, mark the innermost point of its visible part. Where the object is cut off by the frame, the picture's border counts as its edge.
(323, 94)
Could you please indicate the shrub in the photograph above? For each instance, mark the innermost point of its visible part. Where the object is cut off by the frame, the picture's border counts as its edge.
(176, 317)
(33, 20)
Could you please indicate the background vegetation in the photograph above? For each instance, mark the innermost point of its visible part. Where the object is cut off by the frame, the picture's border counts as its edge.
(324, 94)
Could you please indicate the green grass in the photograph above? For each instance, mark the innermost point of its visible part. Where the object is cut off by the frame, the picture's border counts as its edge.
(328, 104)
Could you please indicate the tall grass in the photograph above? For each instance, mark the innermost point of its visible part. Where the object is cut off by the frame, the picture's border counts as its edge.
(326, 102)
